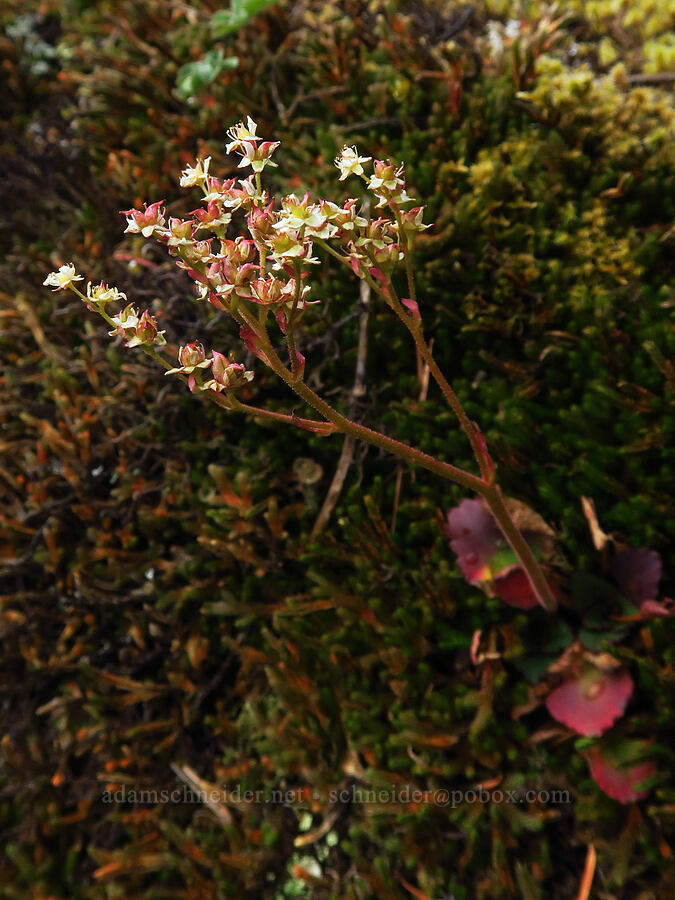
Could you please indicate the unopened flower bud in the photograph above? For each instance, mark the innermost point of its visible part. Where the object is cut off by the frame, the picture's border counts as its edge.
(146, 332)
(191, 357)
(261, 222)
(239, 251)
(192, 354)
(180, 232)
(386, 183)
(257, 156)
(145, 222)
(411, 222)
(226, 374)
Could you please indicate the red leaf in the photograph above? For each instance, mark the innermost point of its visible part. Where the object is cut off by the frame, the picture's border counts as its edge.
(413, 306)
(475, 538)
(590, 703)
(620, 783)
(250, 338)
(378, 275)
(300, 360)
(281, 320)
(515, 589)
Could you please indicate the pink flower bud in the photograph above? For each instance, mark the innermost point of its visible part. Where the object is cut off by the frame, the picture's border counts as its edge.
(191, 354)
(213, 216)
(180, 231)
(146, 329)
(261, 221)
(239, 251)
(191, 357)
(227, 374)
(147, 221)
(257, 156)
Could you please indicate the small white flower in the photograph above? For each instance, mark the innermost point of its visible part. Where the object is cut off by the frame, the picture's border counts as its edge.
(240, 133)
(63, 278)
(195, 175)
(257, 156)
(101, 293)
(349, 162)
(512, 28)
(495, 36)
(298, 214)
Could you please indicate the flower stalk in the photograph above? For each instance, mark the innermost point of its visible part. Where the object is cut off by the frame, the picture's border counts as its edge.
(268, 270)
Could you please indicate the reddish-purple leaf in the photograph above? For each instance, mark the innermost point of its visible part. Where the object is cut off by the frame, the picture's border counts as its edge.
(250, 338)
(515, 589)
(413, 306)
(620, 783)
(475, 538)
(324, 428)
(215, 300)
(280, 316)
(378, 275)
(591, 702)
(196, 275)
(637, 573)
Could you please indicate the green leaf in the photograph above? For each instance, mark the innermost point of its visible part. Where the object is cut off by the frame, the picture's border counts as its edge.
(227, 21)
(194, 76)
(544, 639)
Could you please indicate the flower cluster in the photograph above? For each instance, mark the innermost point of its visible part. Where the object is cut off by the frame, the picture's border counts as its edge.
(269, 267)
(265, 270)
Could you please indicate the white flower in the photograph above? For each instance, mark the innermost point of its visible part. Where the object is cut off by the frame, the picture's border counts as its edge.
(240, 133)
(125, 321)
(297, 214)
(512, 28)
(349, 162)
(257, 156)
(63, 278)
(101, 293)
(194, 175)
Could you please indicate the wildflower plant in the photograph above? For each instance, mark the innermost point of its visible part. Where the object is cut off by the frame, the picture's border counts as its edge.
(263, 281)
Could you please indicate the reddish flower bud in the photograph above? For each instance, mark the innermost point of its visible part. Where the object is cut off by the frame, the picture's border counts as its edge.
(227, 374)
(146, 332)
(261, 222)
(147, 221)
(191, 357)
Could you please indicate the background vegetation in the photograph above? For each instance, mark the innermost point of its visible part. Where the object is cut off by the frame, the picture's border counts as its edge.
(162, 601)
